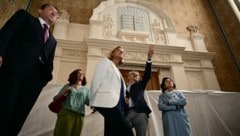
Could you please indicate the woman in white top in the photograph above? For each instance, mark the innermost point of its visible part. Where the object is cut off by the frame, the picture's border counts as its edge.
(107, 94)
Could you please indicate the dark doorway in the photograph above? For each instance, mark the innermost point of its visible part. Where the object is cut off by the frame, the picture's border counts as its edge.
(153, 83)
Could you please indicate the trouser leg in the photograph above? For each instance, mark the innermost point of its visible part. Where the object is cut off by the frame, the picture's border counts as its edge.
(141, 124)
(115, 122)
(19, 92)
(139, 121)
(10, 86)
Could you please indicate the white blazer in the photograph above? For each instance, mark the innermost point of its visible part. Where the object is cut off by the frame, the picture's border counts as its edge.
(106, 85)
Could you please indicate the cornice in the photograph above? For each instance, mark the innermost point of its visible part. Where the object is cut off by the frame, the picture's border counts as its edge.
(197, 55)
(132, 46)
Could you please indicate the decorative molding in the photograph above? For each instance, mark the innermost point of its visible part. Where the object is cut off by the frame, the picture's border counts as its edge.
(158, 31)
(107, 26)
(72, 53)
(192, 29)
(197, 55)
(135, 36)
(133, 18)
(133, 24)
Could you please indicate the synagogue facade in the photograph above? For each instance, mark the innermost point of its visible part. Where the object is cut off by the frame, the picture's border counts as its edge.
(134, 26)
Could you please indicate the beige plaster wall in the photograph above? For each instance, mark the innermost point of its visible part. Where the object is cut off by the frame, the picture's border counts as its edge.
(8, 7)
(198, 12)
(183, 13)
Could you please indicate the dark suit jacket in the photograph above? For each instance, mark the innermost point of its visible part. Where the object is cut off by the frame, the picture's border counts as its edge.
(21, 45)
(137, 91)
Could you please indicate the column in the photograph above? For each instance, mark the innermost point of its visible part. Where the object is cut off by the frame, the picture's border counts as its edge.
(179, 76)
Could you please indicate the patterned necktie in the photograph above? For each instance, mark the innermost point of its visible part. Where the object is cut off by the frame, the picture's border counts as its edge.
(45, 30)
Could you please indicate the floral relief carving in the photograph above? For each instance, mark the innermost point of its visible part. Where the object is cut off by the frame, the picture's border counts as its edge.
(161, 58)
(135, 56)
(158, 33)
(175, 58)
(142, 56)
(72, 53)
(192, 29)
(107, 26)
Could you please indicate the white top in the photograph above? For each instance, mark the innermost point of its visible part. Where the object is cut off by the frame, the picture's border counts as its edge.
(106, 85)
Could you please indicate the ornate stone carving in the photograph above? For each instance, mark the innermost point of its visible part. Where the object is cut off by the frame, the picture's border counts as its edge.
(72, 53)
(126, 35)
(135, 56)
(158, 33)
(192, 29)
(175, 58)
(107, 26)
(132, 17)
(164, 58)
(156, 57)
(133, 24)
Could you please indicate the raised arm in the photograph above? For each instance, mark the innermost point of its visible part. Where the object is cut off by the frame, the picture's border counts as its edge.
(150, 52)
(148, 67)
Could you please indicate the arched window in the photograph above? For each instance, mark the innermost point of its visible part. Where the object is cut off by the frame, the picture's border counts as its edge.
(133, 19)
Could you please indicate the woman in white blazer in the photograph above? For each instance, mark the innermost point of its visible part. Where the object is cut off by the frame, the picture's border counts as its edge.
(107, 94)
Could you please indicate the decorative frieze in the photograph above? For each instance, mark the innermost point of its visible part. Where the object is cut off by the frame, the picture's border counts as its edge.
(72, 53)
(107, 26)
(158, 32)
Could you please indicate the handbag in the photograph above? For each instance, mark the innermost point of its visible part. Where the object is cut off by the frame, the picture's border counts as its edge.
(56, 105)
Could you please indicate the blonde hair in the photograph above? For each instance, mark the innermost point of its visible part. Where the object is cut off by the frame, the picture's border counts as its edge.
(111, 55)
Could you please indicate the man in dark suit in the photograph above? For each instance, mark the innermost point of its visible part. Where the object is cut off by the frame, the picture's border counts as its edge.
(138, 111)
(26, 64)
